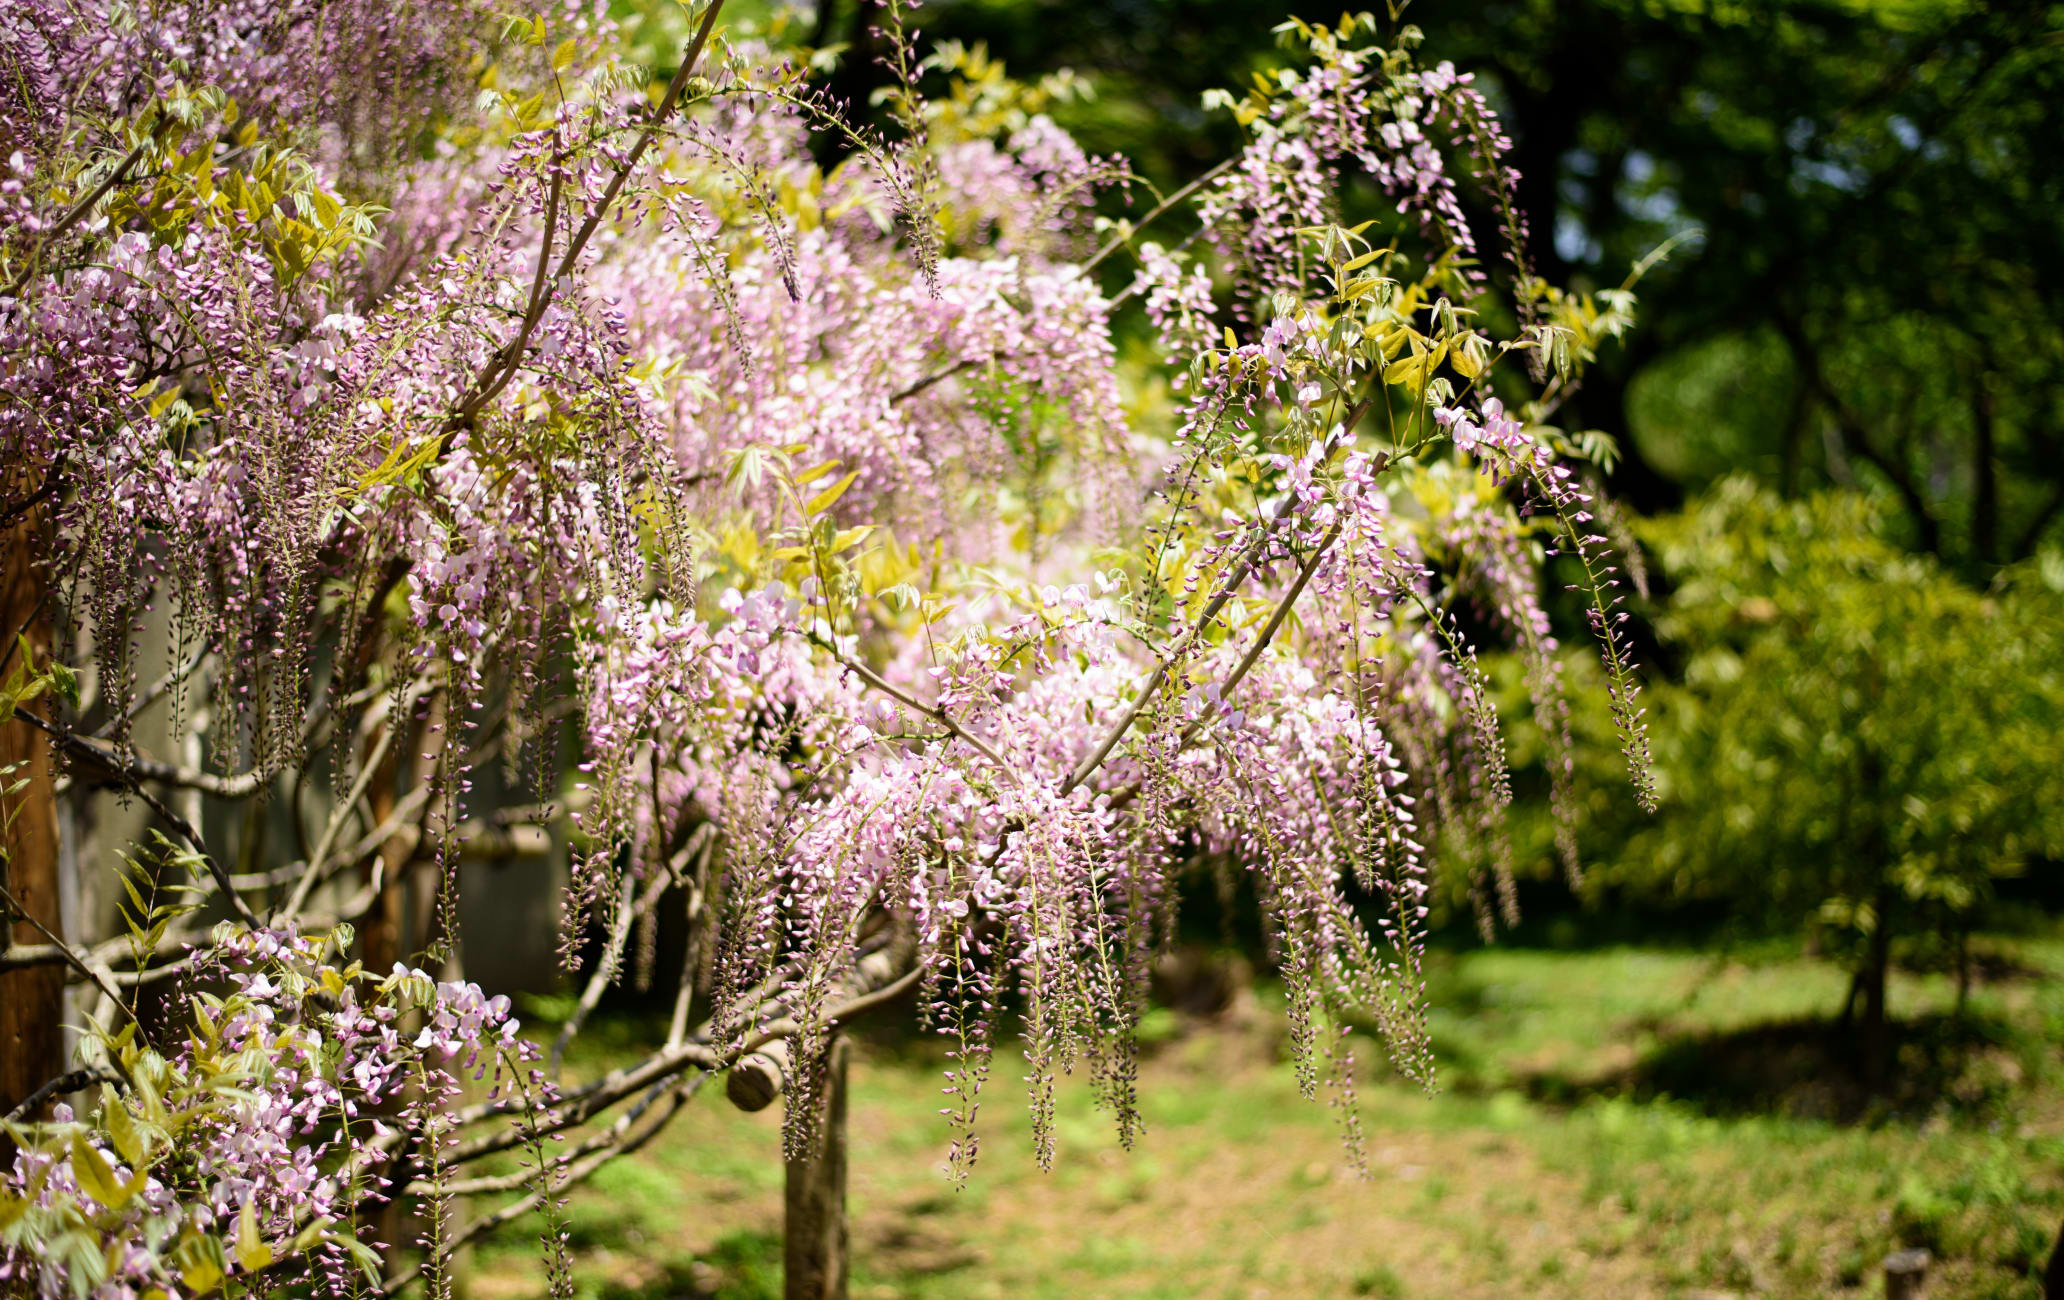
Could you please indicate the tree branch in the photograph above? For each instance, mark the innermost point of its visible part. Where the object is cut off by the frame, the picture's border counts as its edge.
(497, 376)
(1853, 435)
(1249, 557)
(905, 698)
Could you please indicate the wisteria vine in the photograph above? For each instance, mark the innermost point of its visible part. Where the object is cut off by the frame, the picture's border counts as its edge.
(897, 636)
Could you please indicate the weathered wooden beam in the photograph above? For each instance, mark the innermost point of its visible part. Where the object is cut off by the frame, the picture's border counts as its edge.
(31, 999)
(759, 1077)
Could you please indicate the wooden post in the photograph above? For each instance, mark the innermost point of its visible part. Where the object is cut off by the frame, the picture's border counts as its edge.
(32, 999)
(815, 1235)
(1906, 1274)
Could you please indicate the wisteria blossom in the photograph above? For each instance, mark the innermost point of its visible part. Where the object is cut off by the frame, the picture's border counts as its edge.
(804, 501)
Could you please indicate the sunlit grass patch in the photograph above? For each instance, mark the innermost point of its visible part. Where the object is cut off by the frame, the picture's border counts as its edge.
(1496, 1185)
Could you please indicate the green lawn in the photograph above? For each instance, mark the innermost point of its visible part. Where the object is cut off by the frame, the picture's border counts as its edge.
(1625, 1122)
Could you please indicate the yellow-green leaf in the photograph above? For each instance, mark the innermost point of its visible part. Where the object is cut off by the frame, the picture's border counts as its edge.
(327, 209)
(815, 472)
(849, 537)
(824, 500)
(95, 1178)
(201, 1276)
(252, 1252)
(1466, 362)
(122, 1129)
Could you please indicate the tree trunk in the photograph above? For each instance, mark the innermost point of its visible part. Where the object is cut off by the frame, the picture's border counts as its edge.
(1985, 481)
(1877, 964)
(1963, 960)
(31, 1000)
(384, 942)
(2053, 1276)
(815, 1244)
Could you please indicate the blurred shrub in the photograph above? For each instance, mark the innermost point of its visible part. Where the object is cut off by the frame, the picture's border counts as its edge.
(1858, 744)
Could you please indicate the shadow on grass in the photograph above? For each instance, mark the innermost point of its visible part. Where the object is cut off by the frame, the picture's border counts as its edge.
(747, 1264)
(740, 1266)
(1964, 1067)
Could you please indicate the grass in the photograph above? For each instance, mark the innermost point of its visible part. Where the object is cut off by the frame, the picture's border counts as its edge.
(1627, 1122)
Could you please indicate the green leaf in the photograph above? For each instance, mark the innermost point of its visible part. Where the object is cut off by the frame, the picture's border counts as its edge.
(121, 1129)
(95, 1178)
(368, 1258)
(824, 500)
(252, 1252)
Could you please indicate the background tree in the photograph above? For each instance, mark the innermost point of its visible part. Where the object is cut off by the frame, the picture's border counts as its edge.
(1862, 745)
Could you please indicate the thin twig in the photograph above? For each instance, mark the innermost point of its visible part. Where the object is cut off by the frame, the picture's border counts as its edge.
(216, 869)
(937, 376)
(28, 621)
(1117, 242)
(80, 963)
(86, 205)
(366, 771)
(1282, 612)
(71, 1082)
(30, 502)
(132, 771)
(137, 768)
(497, 376)
(1248, 559)
(568, 1174)
(628, 909)
(905, 698)
(173, 676)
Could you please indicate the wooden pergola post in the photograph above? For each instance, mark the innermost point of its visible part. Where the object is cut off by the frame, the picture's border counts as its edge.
(815, 1251)
(814, 1200)
(814, 1236)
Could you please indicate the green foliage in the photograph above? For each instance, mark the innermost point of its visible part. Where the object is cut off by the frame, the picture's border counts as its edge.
(1857, 733)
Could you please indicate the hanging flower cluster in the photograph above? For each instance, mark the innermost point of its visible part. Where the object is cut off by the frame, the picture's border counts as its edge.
(236, 1149)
